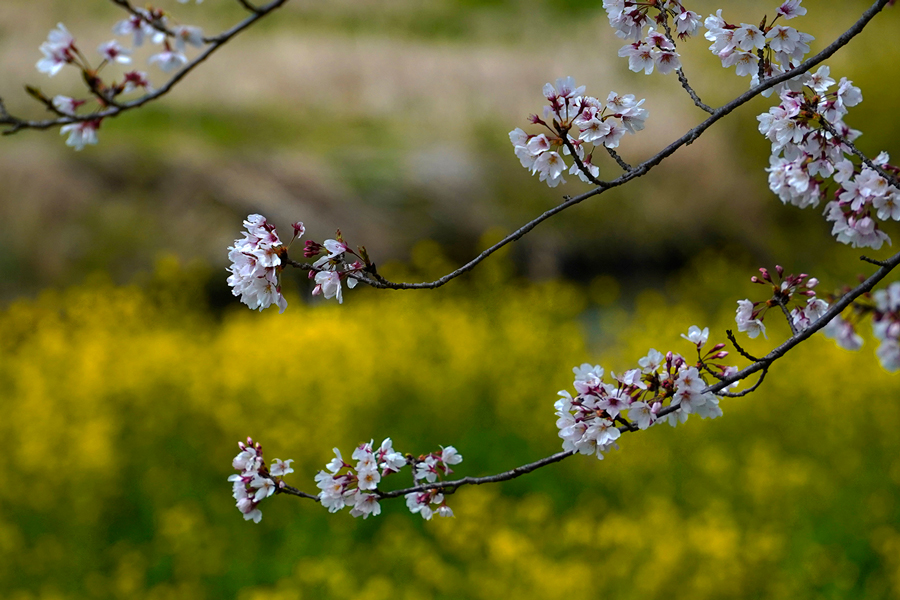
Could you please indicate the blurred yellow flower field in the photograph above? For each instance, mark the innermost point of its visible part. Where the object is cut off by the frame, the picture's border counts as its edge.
(124, 404)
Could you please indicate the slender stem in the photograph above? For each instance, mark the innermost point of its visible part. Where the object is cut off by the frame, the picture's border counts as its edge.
(625, 166)
(787, 315)
(683, 78)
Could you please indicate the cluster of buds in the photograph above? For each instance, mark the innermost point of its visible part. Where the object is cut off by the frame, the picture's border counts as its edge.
(256, 263)
(780, 47)
(256, 481)
(61, 50)
(884, 308)
(333, 267)
(793, 293)
(629, 17)
(569, 109)
(666, 387)
(344, 485)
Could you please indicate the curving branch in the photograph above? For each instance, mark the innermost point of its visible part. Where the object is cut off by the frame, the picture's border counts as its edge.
(762, 364)
(642, 169)
(16, 124)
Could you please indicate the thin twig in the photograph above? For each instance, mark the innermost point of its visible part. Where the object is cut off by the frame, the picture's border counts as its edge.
(625, 166)
(868, 161)
(564, 135)
(295, 492)
(741, 351)
(248, 6)
(451, 486)
(214, 42)
(683, 78)
(787, 315)
(873, 261)
(749, 390)
(642, 169)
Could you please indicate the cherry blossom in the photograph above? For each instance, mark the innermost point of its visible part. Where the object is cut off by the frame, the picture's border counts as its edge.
(81, 133)
(255, 262)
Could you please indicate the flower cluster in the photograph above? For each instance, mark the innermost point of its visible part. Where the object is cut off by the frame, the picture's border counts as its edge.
(884, 308)
(654, 51)
(629, 17)
(664, 388)
(810, 146)
(256, 481)
(741, 46)
(60, 50)
(344, 485)
(598, 125)
(255, 263)
(794, 293)
(332, 268)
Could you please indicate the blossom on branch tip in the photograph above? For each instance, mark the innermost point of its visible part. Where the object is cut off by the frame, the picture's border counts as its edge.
(255, 482)
(112, 51)
(58, 51)
(255, 261)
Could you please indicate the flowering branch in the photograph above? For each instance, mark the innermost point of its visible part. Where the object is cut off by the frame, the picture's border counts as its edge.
(335, 488)
(16, 124)
(865, 159)
(688, 138)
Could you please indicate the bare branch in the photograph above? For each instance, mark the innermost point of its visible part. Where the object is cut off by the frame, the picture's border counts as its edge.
(683, 78)
(625, 166)
(642, 169)
(248, 6)
(448, 487)
(214, 42)
(564, 135)
(787, 315)
(292, 491)
(880, 263)
(737, 346)
(749, 390)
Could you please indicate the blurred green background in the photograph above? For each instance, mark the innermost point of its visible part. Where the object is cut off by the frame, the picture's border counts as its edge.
(128, 372)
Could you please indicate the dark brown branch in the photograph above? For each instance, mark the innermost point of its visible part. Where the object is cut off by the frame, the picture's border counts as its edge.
(790, 319)
(248, 6)
(880, 263)
(625, 166)
(448, 487)
(214, 42)
(578, 162)
(683, 78)
(292, 491)
(642, 169)
(741, 351)
(749, 390)
(866, 160)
